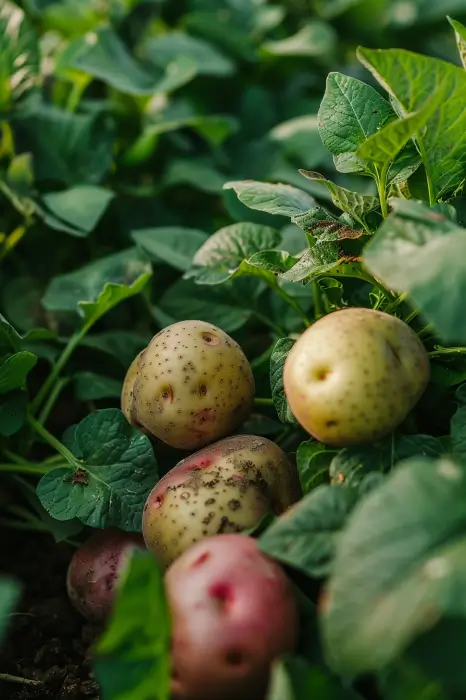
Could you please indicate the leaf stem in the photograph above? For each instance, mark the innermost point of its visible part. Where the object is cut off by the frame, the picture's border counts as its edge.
(292, 302)
(447, 351)
(19, 679)
(382, 189)
(52, 441)
(318, 313)
(263, 402)
(48, 385)
(425, 160)
(53, 396)
(25, 468)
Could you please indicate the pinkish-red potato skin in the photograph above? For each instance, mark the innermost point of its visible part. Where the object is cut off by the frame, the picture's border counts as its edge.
(95, 570)
(233, 613)
(226, 487)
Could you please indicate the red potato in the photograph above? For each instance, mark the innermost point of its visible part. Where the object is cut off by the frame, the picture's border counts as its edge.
(224, 488)
(233, 614)
(96, 569)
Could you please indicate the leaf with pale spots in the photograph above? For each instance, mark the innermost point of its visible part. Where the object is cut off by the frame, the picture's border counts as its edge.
(107, 485)
(277, 362)
(399, 572)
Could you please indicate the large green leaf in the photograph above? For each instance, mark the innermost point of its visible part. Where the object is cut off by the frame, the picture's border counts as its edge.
(96, 288)
(281, 199)
(19, 55)
(350, 112)
(460, 34)
(412, 79)
(208, 60)
(15, 369)
(399, 568)
(305, 538)
(223, 253)
(174, 245)
(412, 252)
(114, 472)
(91, 386)
(132, 658)
(9, 596)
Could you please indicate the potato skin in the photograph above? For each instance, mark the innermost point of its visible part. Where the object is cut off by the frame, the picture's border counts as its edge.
(354, 375)
(193, 385)
(233, 613)
(226, 487)
(127, 391)
(95, 570)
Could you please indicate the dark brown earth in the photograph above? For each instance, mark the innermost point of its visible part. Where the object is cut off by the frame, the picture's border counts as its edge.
(47, 640)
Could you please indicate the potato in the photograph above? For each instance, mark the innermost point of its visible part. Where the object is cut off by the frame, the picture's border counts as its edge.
(233, 613)
(96, 569)
(226, 487)
(354, 375)
(127, 391)
(193, 386)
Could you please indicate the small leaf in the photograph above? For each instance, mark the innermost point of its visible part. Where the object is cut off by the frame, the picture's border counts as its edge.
(9, 597)
(91, 386)
(13, 407)
(460, 34)
(313, 462)
(281, 199)
(99, 286)
(458, 432)
(350, 112)
(109, 484)
(293, 678)
(277, 362)
(174, 245)
(410, 253)
(398, 570)
(132, 658)
(122, 345)
(82, 207)
(305, 537)
(14, 371)
(8, 335)
(221, 256)
(354, 204)
(207, 59)
(313, 39)
(320, 259)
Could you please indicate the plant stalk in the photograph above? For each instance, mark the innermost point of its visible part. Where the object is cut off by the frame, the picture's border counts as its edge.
(53, 442)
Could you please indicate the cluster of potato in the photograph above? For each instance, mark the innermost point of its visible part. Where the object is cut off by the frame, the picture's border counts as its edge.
(352, 377)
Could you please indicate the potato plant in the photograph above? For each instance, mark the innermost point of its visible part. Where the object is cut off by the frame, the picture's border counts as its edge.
(238, 341)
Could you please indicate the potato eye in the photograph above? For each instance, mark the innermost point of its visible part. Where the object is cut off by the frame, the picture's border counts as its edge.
(167, 394)
(203, 390)
(210, 339)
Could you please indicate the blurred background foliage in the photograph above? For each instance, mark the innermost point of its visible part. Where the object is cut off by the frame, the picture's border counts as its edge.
(120, 122)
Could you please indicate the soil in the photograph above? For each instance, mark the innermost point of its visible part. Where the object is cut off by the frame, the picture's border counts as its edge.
(47, 640)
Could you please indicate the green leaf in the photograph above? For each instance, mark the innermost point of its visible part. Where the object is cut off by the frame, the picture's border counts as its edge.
(13, 407)
(174, 245)
(15, 369)
(314, 39)
(399, 568)
(208, 60)
(410, 253)
(301, 140)
(313, 462)
(320, 259)
(412, 79)
(82, 207)
(220, 257)
(198, 173)
(460, 35)
(109, 484)
(122, 345)
(281, 199)
(280, 352)
(91, 386)
(293, 678)
(132, 658)
(352, 203)
(19, 51)
(352, 464)
(9, 597)
(383, 146)
(103, 55)
(350, 112)
(97, 287)
(228, 306)
(305, 538)
(458, 432)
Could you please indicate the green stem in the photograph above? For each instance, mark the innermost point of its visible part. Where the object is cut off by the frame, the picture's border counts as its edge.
(382, 189)
(49, 383)
(53, 396)
(263, 402)
(18, 679)
(53, 442)
(24, 468)
(447, 351)
(20, 525)
(292, 302)
(17, 459)
(425, 160)
(266, 321)
(317, 300)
